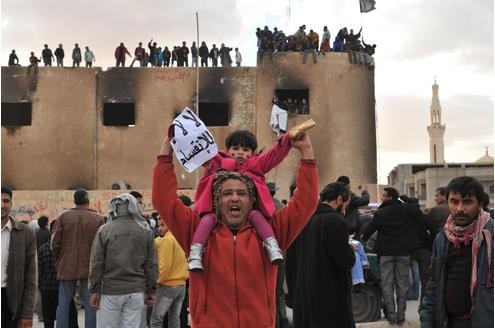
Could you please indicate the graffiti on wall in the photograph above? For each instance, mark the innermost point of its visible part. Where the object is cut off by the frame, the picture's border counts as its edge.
(30, 205)
(171, 75)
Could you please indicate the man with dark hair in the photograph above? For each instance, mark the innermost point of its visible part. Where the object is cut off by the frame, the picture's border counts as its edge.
(485, 203)
(214, 53)
(186, 200)
(71, 245)
(439, 213)
(48, 286)
(183, 55)
(171, 283)
(459, 292)
(204, 54)
(393, 244)
(352, 211)
(425, 231)
(120, 53)
(13, 59)
(153, 48)
(326, 257)
(237, 285)
(18, 275)
(47, 56)
(138, 196)
(43, 234)
(59, 55)
(194, 55)
(281, 319)
(76, 56)
(138, 54)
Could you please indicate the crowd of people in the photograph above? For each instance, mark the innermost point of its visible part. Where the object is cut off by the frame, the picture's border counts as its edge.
(270, 42)
(154, 56)
(233, 247)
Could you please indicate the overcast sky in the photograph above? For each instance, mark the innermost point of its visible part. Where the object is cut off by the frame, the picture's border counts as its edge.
(416, 40)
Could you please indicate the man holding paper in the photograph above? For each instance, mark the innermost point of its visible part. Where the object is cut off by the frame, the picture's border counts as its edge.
(225, 293)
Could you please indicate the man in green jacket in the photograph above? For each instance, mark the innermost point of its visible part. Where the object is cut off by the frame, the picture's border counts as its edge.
(19, 265)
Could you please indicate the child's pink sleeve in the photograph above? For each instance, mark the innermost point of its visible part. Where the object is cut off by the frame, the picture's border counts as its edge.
(275, 155)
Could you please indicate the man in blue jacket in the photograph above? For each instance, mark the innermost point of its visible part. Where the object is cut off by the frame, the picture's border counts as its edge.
(459, 292)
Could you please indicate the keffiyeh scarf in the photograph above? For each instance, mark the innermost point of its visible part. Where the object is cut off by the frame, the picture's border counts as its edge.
(474, 233)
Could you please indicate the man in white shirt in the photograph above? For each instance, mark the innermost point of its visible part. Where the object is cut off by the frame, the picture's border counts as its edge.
(238, 57)
(18, 275)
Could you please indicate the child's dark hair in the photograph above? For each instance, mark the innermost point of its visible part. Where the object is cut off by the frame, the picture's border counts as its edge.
(242, 138)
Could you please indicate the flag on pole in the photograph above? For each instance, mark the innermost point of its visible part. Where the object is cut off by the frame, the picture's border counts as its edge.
(367, 5)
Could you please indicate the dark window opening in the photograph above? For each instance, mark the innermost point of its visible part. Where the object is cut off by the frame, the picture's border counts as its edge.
(490, 189)
(214, 114)
(295, 101)
(16, 113)
(119, 114)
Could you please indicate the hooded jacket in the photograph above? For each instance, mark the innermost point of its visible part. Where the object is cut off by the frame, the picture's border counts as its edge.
(237, 286)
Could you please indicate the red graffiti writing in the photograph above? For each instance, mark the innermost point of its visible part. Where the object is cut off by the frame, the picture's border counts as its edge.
(172, 75)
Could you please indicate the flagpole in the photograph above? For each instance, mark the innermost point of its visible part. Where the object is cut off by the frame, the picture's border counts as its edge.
(197, 66)
(197, 85)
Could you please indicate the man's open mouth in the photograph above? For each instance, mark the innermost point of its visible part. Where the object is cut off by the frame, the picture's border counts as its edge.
(234, 210)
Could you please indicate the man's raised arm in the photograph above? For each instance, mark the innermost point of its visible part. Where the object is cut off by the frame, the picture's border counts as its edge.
(291, 219)
(180, 219)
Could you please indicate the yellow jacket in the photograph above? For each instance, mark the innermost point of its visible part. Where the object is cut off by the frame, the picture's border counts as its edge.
(172, 261)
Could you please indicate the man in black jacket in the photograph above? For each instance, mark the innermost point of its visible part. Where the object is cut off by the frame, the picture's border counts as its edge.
(324, 259)
(183, 56)
(351, 213)
(204, 53)
(393, 245)
(425, 231)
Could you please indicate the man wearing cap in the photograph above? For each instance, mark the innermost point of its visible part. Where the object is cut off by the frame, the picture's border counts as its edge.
(71, 245)
(237, 286)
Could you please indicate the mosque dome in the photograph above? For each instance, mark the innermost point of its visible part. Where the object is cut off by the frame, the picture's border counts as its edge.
(485, 159)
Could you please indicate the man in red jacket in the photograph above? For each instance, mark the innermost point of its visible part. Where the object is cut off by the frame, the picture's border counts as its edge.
(237, 286)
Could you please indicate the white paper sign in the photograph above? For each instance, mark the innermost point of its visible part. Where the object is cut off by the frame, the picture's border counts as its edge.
(192, 143)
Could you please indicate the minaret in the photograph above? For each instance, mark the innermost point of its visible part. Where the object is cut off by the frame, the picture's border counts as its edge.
(436, 130)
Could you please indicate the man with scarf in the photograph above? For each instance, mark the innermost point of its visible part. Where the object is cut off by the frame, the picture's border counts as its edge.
(123, 268)
(459, 292)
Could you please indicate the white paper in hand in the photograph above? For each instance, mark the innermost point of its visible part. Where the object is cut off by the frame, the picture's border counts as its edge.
(192, 143)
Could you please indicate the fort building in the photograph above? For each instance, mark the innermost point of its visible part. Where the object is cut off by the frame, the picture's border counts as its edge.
(65, 128)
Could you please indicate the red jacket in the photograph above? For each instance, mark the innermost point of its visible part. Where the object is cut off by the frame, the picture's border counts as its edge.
(255, 167)
(237, 287)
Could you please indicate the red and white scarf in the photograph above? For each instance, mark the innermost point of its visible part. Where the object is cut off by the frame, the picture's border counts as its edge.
(474, 232)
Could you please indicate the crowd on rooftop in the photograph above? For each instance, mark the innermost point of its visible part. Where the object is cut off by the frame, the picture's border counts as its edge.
(268, 42)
